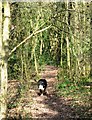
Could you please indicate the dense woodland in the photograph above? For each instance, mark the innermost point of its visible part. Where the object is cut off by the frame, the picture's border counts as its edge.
(36, 34)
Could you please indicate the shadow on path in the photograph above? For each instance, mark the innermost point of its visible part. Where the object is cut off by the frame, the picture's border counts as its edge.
(51, 106)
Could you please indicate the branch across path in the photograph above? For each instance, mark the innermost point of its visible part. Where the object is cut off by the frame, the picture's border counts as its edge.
(34, 33)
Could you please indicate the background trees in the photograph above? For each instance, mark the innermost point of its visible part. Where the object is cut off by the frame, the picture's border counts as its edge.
(66, 43)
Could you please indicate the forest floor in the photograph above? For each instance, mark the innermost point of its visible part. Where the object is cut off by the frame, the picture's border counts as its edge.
(49, 107)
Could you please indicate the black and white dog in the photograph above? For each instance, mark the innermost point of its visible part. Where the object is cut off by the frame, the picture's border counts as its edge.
(42, 85)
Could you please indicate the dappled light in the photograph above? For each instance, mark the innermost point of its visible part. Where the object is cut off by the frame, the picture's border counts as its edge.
(51, 106)
(45, 60)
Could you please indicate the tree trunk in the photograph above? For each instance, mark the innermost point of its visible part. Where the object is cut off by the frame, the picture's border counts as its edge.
(0, 34)
(0, 49)
(67, 39)
(4, 61)
(62, 37)
(91, 40)
(76, 41)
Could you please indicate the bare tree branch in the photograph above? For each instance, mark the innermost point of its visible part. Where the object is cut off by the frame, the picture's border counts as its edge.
(34, 33)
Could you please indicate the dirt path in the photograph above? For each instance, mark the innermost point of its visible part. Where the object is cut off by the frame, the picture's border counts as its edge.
(25, 104)
(51, 106)
(29, 105)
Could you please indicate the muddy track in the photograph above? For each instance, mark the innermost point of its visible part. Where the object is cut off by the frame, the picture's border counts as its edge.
(50, 106)
(30, 106)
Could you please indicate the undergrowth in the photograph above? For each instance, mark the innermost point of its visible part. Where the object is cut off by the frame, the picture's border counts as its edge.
(79, 90)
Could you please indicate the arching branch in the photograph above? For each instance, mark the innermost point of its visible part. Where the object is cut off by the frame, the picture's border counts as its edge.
(34, 33)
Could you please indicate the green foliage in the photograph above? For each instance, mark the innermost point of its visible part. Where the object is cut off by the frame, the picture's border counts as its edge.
(50, 46)
(14, 69)
(74, 88)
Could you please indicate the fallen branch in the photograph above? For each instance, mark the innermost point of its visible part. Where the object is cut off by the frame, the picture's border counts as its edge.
(34, 33)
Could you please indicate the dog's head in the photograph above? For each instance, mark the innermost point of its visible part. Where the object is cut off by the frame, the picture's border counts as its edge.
(42, 84)
(41, 87)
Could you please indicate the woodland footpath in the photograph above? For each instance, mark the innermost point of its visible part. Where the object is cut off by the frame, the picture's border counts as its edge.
(51, 40)
(29, 105)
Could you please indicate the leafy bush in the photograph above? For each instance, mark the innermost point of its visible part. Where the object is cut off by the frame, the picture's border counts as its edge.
(73, 87)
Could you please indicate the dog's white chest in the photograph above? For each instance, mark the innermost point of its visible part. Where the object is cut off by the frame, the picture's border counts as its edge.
(41, 87)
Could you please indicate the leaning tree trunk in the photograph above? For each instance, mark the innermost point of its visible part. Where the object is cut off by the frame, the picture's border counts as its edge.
(4, 61)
